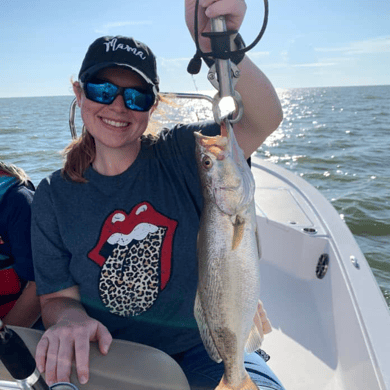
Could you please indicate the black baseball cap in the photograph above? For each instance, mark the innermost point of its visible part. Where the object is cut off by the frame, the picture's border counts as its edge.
(122, 52)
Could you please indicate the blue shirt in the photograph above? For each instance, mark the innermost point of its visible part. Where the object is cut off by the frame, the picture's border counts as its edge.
(128, 241)
(15, 221)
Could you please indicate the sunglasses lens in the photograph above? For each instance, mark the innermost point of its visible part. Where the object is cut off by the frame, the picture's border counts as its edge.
(104, 93)
(137, 100)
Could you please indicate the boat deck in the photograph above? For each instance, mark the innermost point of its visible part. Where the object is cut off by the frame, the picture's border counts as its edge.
(328, 333)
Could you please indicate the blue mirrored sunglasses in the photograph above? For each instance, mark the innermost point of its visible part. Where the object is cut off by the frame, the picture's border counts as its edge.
(105, 92)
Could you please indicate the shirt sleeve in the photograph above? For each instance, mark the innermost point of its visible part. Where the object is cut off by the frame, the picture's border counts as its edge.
(51, 258)
(181, 145)
(18, 207)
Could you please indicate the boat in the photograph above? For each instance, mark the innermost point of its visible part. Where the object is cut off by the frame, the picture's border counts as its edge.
(331, 324)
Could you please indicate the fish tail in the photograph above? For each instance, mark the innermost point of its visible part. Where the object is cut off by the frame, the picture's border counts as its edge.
(246, 384)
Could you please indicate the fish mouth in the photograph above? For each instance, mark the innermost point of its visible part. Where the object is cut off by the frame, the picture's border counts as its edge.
(216, 145)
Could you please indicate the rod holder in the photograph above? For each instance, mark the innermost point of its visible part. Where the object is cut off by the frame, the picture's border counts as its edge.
(18, 360)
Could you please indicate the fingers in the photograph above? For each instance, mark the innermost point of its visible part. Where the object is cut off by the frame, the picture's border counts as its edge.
(64, 360)
(82, 359)
(82, 349)
(54, 357)
(104, 339)
(60, 344)
(51, 361)
(40, 353)
(233, 9)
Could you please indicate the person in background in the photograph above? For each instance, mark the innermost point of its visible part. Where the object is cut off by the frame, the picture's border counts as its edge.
(114, 232)
(19, 304)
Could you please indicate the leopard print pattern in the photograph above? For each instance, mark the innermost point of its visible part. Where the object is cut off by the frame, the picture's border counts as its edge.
(129, 279)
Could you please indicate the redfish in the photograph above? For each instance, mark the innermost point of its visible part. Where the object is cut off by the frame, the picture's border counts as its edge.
(228, 311)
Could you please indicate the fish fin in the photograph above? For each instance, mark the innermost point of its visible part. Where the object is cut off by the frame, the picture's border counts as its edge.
(238, 231)
(204, 331)
(255, 339)
(265, 322)
(261, 326)
(246, 384)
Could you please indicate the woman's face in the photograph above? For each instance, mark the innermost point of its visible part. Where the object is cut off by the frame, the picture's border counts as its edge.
(114, 126)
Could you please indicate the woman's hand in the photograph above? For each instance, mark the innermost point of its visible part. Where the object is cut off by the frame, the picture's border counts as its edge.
(70, 331)
(233, 10)
(262, 108)
(65, 340)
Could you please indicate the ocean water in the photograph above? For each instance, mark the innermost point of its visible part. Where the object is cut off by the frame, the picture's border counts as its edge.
(338, 139)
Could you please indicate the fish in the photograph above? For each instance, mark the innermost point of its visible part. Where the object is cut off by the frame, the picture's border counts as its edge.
(228, 310)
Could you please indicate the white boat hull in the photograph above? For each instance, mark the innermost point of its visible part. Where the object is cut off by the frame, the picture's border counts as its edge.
(330, 333)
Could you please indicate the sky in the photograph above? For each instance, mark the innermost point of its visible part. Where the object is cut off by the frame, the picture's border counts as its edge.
(308, 43)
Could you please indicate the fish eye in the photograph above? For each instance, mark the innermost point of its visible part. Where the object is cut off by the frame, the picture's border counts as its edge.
(207, 162)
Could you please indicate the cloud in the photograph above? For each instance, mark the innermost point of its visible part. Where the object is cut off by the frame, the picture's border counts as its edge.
(258, 54)
(170, 63)
(367, 46)
(306, 56)
(109, 26)
(183, 61)
(314, 65)
(285, 65)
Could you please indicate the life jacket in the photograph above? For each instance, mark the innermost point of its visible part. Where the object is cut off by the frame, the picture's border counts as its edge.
(10, 284)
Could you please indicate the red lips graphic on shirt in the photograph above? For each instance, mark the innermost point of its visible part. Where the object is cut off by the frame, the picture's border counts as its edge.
(122, 229)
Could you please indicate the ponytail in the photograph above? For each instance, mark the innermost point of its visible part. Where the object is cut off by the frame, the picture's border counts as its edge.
(79, 155)
(14, 171)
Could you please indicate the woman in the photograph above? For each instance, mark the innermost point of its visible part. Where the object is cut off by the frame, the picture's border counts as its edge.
(19, 304)
(114, 233)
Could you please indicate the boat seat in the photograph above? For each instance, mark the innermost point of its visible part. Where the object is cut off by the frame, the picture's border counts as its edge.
(127, 366)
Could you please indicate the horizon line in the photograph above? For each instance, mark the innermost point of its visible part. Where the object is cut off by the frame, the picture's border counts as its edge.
(213, 91)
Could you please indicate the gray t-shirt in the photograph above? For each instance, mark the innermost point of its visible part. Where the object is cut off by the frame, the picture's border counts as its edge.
(128, 241)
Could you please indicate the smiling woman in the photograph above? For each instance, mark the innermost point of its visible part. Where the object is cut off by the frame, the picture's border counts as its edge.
(114, 232)
(117, 98)
(113, 126)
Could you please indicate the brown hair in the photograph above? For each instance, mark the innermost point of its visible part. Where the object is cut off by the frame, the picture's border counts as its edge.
(14, 171)
(79, 155)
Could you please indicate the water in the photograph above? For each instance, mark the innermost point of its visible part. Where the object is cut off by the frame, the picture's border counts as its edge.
(33, 131)
(338, 139)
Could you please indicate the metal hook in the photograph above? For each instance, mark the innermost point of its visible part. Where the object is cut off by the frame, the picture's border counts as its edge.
(223, 75)
(72, 114)
(239, 108)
